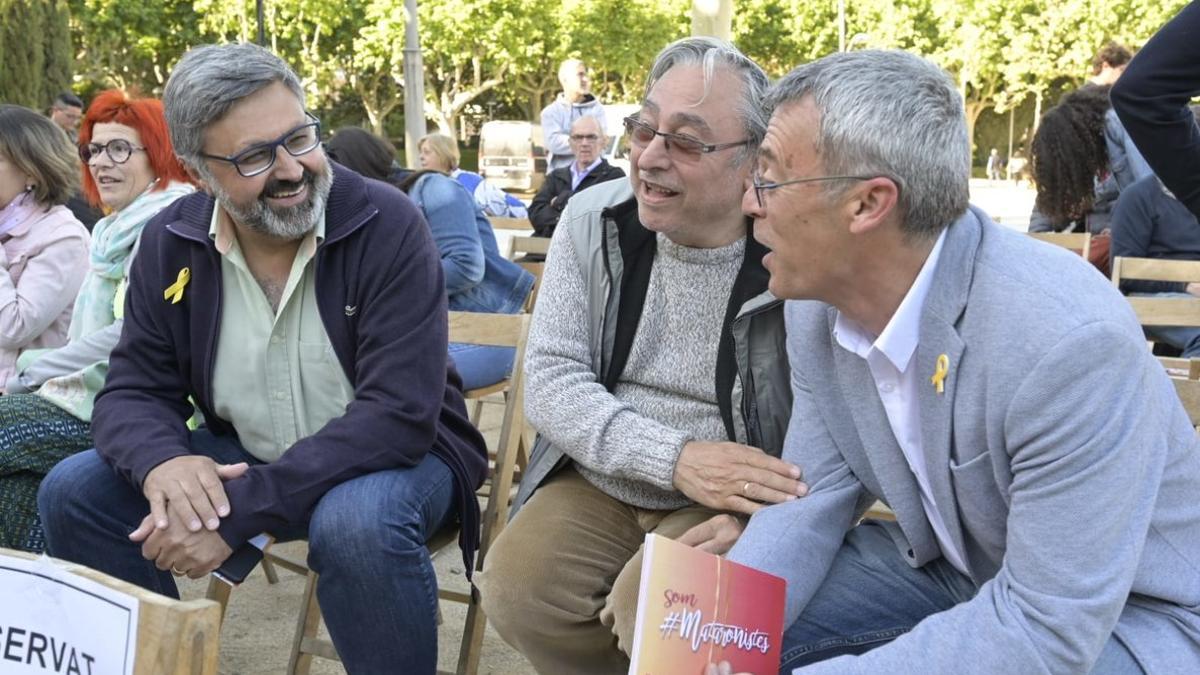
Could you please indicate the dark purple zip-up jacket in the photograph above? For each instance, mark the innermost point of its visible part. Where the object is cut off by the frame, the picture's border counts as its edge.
(382, 300)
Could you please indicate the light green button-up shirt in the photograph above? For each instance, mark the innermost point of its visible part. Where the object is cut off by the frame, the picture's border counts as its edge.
(276, 377)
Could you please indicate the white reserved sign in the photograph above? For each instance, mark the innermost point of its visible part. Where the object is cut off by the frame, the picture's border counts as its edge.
(52, 621)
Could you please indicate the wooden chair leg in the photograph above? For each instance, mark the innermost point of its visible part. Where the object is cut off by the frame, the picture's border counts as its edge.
(219, 591)
(476, 411)
(472, 642)
(306, 627)
(268, 567)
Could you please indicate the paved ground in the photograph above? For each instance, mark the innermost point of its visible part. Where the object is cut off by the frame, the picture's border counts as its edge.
(261, 621)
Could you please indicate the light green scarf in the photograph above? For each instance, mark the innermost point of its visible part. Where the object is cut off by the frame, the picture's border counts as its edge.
(97, 305)
(113, 239)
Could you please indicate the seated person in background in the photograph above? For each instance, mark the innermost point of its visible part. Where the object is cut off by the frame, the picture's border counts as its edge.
(66, 110)
(439, 152)
(1082, 159)
(1109, 63)
(995, 392)
(130, 170)
(656, 373)
(301, 308)
(589, 168)
(478, 278)
(43, 248)
(1152, 100)
(1148, 222)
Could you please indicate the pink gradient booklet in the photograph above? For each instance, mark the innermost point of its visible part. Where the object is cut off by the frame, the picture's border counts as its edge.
(696, 608)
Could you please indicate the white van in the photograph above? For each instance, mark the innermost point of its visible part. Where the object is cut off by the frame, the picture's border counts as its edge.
(511, 155)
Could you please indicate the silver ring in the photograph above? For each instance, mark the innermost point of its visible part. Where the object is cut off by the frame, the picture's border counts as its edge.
(746, 489)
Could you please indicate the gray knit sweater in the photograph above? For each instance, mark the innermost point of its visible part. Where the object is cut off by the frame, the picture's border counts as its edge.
(626, 443)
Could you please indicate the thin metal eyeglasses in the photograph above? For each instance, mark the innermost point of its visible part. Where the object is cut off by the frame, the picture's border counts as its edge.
(118, 150)
(584, 137)
(259, 158)
(760, 187)
(643, 134)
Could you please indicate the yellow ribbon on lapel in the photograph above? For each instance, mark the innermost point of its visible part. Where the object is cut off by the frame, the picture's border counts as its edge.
(174, 292)
(939, 375)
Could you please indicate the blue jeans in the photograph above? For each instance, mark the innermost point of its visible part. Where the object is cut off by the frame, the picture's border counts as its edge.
(378, 590)
(480, 365)
(872, 596)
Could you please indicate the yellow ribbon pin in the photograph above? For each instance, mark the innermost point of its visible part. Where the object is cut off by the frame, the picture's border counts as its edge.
(174, 292)
(939, 375)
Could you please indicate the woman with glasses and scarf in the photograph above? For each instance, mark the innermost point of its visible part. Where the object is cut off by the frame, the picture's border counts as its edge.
(43, 248)
(130, 171)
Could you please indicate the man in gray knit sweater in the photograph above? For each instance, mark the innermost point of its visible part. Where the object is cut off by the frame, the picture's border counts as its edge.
(657, 376)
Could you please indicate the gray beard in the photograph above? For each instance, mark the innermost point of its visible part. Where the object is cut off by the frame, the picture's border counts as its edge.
(288, 224)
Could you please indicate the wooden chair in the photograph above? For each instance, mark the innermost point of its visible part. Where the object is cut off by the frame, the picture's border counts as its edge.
(504, 223)
(500, 330)
(1152, 311)
(1181, 367)
(522, 246)
(173, 637)
(1080, 242)
(1189, 394)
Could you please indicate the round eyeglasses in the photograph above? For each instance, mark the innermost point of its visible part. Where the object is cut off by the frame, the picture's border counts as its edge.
(118, 150)
(678, 145)
(260, 158)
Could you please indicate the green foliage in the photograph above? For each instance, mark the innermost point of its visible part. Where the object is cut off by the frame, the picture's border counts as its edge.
(501, 56)
(131, 45)
(35, 51)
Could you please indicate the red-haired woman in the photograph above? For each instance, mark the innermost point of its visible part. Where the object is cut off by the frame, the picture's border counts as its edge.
(132, 173)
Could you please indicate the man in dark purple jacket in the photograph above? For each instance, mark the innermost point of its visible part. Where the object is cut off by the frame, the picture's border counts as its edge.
(302, 310)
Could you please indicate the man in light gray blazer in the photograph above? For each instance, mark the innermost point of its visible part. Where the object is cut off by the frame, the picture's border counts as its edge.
(995, 391)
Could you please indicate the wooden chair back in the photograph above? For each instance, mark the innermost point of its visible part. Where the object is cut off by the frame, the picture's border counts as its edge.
(506, 223)
(539, 246)
(1079, 242)
(1189, 394)
(1152, 311)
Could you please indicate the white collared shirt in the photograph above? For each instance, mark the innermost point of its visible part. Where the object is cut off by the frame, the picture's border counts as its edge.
(578, 175)
(889, 358)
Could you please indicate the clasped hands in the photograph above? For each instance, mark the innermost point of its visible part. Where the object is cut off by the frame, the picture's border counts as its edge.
(187, 501)
(734, 478)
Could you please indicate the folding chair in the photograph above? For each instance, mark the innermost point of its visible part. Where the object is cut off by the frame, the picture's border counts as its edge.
(537, 246)
(500, 330)
(1152, 311)
(1079, 242)
(505, 223)
(1189, 394)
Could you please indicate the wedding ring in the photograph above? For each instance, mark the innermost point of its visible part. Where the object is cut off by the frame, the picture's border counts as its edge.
(746, 489)
(177, 572)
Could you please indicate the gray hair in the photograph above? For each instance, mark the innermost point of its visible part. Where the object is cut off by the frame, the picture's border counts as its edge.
(708, 52)
(893, 114)
(208, 81)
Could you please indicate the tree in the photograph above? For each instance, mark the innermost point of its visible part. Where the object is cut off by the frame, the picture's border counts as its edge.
(132, 45)
(35, 51)
(619, 40)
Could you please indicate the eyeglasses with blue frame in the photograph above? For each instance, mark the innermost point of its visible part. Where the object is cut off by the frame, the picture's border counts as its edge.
(258, 159)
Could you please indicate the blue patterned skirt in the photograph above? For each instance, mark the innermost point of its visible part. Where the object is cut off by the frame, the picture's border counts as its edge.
(35, 435)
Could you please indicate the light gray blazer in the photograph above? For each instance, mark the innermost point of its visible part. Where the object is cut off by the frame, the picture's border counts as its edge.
(1059, 454)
